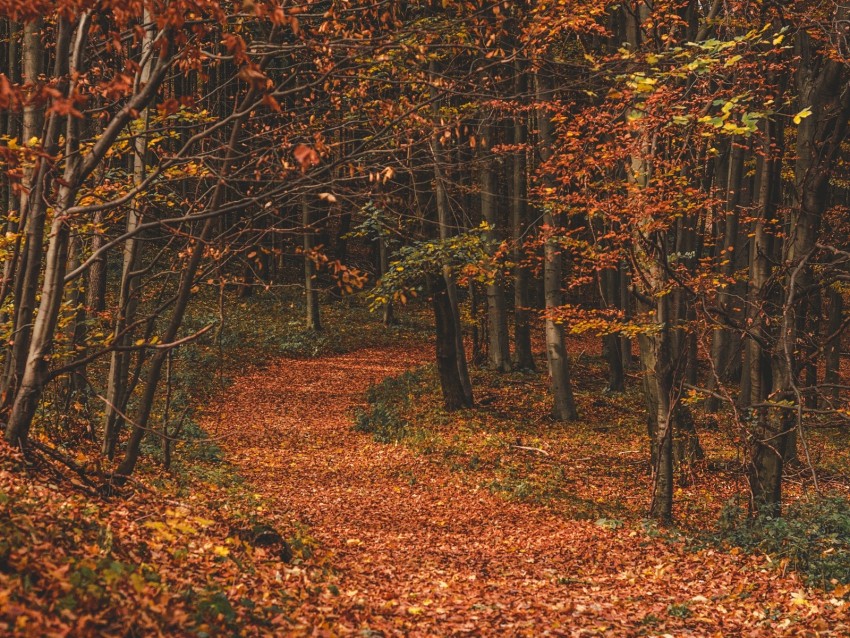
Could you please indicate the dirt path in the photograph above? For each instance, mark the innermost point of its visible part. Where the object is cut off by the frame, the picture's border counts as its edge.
(416, 552)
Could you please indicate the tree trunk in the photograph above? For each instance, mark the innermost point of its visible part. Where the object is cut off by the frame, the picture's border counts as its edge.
(455, 396)
(33, 210)
(117, 394)
(723, 352)
(498, 351)
(564, 407)
(383, 252)
(523, 355)
(832, 357)
(310, 288)
(443, 223)
(611, 343)
(96, 288)
(662, 379)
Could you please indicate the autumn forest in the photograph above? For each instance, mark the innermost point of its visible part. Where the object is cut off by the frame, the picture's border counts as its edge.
(426, 318)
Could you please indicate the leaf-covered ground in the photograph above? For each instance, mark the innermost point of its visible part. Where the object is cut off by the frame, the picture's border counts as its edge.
(409, 547)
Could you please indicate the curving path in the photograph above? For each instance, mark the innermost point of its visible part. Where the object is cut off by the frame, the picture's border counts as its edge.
(416, 552)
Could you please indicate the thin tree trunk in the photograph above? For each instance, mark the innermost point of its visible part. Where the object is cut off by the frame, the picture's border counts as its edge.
(443, 223)
(383, 252)
(455, 396)
(564, 407)
(119, 365)
(311, 292)
(523, 355)
(662, 378)
(723, 357)
(498, 351)
(33, 210)
(611, 343)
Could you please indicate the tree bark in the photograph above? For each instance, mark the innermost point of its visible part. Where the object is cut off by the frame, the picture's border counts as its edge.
(117, 394)
(564, 407)
(455, 396)
(498, 351)
(311, 293)
(523, 355)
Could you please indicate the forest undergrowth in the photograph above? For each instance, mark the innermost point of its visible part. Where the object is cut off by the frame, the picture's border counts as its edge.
(190, 549)
(326, 490)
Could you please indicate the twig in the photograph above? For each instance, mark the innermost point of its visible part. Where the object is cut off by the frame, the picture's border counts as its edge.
(531, 449)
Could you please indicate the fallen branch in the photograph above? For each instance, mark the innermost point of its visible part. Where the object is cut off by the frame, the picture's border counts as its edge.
(531, 449)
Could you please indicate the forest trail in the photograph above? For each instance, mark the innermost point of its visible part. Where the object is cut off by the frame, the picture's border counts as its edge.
(414, 551)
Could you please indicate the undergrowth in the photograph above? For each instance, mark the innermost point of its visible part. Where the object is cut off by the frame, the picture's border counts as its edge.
(596, 469)
(185, 550)
(506, 445)
(812, 538)
(386, 401)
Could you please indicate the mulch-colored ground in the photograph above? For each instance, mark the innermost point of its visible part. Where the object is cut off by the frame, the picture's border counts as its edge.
(408, 547)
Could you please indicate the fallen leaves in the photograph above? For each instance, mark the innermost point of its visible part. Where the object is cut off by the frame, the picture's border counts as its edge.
(417, 550)
(398, 543)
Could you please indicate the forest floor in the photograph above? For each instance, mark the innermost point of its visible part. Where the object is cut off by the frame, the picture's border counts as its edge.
(406, 545)
(323, 491)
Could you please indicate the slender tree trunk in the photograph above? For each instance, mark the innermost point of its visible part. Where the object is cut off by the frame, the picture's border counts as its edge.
(443, 223)
(33, 210)
(117, 394)
(564, 407)
(96, 288)
(723, 357)
(662, 378)
(611, 343)
(77, 385)
(13, 204)
(383, 251)
(523, 355)
(455, 396)
(626, 305)
(498, 351)
(832, 357)
(310, 288)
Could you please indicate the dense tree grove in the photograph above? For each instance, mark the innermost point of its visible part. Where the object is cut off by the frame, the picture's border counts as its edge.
(668, 176)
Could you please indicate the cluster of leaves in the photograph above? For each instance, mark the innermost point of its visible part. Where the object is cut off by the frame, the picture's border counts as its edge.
(465, 254)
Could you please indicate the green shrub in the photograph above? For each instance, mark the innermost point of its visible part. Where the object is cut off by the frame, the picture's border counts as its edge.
(811, 538)
(382, 422)
(382, 418)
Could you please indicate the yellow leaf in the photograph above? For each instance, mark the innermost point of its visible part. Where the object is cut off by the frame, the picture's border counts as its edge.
(806, 112)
